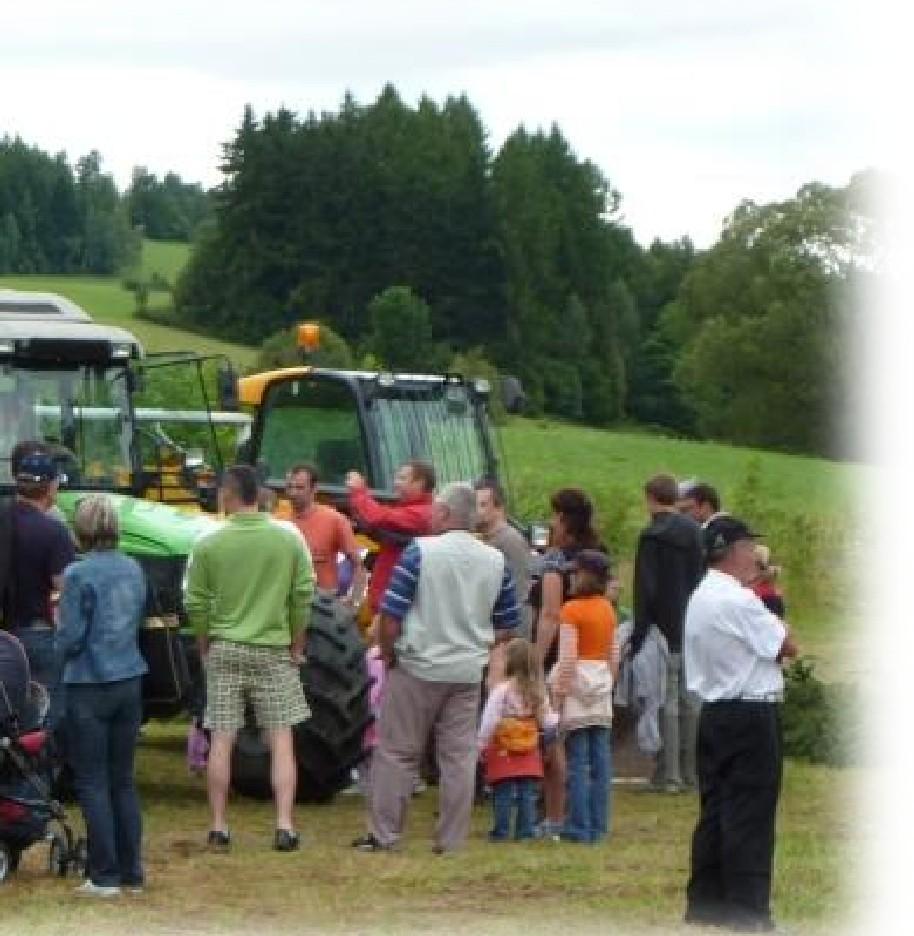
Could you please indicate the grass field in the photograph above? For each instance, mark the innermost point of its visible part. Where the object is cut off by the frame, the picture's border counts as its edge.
(106, 300)
(633, 883)
(806, 506)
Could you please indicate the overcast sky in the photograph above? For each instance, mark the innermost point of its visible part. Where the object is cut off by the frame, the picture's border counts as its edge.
(686, 107)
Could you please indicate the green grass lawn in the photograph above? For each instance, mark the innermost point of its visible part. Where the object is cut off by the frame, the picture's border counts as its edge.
(542, 453)
(633, 883)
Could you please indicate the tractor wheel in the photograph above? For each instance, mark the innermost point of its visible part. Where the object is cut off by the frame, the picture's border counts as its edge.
(329, 743)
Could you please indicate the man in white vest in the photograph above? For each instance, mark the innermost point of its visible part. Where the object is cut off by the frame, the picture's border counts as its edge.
(449, 599)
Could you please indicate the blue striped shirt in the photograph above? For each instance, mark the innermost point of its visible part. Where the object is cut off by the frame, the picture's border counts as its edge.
(404, 582)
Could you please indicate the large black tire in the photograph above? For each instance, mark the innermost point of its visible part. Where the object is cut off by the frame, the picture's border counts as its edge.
(329, 744)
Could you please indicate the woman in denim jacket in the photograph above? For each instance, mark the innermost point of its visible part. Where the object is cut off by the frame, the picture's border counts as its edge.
(102, 603)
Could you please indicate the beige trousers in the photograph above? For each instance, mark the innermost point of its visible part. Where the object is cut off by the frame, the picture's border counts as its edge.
(410, 710)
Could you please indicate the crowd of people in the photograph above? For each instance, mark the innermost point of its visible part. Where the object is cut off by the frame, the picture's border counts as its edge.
(505, 662)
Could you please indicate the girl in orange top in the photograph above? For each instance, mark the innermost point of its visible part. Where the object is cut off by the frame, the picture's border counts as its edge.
(583, 681)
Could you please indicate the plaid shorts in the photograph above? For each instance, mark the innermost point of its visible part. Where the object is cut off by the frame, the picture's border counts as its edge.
(265, 677)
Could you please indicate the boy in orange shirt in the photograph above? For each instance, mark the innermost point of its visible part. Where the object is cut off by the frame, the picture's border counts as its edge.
(583, 684)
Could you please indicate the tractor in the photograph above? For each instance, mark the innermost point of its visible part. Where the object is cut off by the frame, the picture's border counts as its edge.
(109, 411)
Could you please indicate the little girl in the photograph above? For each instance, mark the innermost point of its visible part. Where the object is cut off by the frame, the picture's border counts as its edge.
(582, 682)
(516, 711)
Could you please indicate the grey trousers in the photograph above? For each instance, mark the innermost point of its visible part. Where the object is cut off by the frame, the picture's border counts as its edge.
(410, 710)
(678, 728)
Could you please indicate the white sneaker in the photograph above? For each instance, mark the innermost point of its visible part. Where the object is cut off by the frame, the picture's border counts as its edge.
(88, 889)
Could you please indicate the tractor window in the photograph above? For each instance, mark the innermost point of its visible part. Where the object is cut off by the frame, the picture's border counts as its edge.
(433, 424)
(80, 411)
(312, 421)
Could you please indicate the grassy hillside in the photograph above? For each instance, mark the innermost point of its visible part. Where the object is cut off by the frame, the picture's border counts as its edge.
(805, 506)
(164, 257)
(106, 300)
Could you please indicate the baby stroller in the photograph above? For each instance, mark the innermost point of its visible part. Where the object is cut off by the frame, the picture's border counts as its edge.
(28, 812)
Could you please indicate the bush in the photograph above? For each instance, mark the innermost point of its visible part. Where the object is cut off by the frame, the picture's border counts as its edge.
(819, 719)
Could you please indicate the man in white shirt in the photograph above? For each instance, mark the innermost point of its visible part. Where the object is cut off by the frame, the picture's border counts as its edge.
(733, 647)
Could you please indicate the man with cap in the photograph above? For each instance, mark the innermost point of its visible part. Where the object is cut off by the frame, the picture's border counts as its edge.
(41, 549)
(733, 648)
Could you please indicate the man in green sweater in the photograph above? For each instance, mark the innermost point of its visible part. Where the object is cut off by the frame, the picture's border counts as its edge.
(248, 599)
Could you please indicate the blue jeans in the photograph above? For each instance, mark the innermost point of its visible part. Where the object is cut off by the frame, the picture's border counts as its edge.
(44, 667)
(518, 797)
(103, 724)
(588, 792)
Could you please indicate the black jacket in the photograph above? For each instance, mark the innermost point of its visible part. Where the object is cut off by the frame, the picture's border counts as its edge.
(668, 566)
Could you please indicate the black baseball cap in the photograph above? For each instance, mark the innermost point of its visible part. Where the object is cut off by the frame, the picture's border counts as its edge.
(725, 531)
(37, 468)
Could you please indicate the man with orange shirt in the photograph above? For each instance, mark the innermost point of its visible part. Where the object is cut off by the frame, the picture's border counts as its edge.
(393, 526)
(327, 533)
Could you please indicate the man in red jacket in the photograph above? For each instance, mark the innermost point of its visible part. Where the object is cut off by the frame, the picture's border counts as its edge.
(393, 525)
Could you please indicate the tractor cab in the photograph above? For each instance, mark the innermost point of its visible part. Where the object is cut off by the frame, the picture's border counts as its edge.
(107, 411)
(340, 420)
(66, 381)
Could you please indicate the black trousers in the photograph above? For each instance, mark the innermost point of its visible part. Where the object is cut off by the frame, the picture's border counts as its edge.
(739, 780)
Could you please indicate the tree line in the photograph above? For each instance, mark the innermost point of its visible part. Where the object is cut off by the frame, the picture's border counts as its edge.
(399, 229)
(56, 218)
(418, 247)
(61, 218)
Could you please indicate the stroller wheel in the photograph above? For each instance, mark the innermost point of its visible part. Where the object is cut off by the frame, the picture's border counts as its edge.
(58, 857)
(9, 860)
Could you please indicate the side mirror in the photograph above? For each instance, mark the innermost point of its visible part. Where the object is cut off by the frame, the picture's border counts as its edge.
(228, 388)
(512, 395)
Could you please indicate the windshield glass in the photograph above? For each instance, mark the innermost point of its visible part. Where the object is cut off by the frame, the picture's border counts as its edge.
(316, 420)
(434, 424)
(81, 411)
(313, 421)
